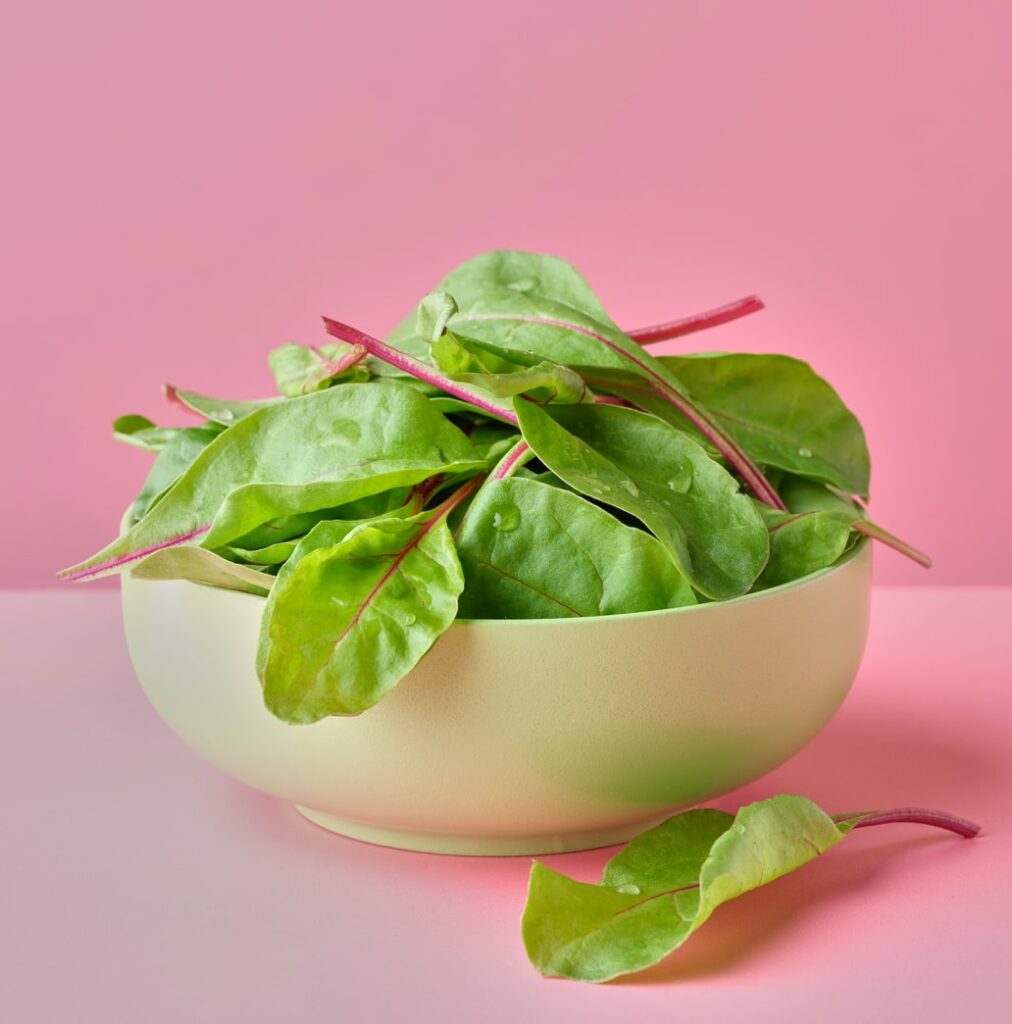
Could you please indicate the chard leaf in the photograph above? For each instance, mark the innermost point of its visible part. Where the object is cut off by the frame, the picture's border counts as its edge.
(820, 526)
(432, 315)
(632, 388)
(543, 381)
(542, 304)
(813, 534)
(297, 525)
(667, 882)
(782, 413)
(175, 457)
(354, 610)
(202, 566)
(269, 554)
(276, 541)
(802, 543)
(326, 449)
(217, 410)
(546, 382)
(142, 433)
(475, 400)
(300, 369)
(637, 463)
(531, 550)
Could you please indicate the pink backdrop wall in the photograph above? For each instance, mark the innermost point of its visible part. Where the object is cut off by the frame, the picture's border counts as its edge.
(188, 185)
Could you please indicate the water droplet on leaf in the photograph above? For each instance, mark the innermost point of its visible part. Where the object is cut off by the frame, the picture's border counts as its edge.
(805, 453)
(524, 284)
(631, 488)
(410, 619)
(225, 415)
(681, 481)
(629, 889)
(506, 518)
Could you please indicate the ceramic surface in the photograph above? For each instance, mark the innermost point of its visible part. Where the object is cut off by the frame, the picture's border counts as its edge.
(519, 737)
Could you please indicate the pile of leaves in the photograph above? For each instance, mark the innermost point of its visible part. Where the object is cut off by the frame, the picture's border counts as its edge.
(507, 452)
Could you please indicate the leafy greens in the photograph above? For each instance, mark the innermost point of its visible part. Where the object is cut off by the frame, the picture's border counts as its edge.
(668, 881)
(507, 452)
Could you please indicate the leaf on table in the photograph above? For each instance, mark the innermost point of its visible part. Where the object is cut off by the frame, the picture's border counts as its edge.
(635, 462)
(531, 550)
(665, 885)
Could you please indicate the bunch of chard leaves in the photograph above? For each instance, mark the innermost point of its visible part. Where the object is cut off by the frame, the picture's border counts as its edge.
(666, 883)
(508, 451)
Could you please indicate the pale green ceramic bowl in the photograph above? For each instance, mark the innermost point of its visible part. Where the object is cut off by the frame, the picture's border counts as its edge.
(519, 736)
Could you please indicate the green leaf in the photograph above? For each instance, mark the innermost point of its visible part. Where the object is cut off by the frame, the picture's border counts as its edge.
(637, 463)
(142, 433)
(269, 554)
(782, 413)
(432, 315)
(530, 277)
(543, 381)
(219, 410)
(352, 612)
(301, 369)
(530, 550)
(274, 542)
(665, 884)
(323, 450)
(625, 384)
(813, 534)
(175, 457)
(541, 304)
(202, 566)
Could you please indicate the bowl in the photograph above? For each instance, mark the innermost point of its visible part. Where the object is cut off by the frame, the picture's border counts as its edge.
(519, 736)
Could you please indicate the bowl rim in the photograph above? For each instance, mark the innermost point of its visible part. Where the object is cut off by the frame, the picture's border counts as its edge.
(862, 544)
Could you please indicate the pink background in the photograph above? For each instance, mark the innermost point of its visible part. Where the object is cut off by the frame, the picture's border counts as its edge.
(188, 185)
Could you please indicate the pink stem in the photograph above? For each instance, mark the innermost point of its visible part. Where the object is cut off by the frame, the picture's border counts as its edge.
(698, 322)
(747, 469)
(416, 368)
(440, 513)
(74, 576)
(421, 493)
(171, 393)
(512, 461)
(612, 400)
(355, 354)
(885, 537)
(913, 816)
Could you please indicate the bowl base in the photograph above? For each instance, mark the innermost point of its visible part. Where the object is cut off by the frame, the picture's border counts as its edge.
(477, 846)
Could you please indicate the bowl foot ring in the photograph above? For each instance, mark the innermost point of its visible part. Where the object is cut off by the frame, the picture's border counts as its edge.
(466, 845)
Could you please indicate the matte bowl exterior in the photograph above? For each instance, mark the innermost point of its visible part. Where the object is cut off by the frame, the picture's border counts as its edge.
(519, 736)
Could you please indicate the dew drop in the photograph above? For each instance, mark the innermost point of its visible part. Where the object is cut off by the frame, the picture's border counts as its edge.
(524, 284)
(506, 518)
(629, 889)
(631, 488)
(225, 415)
(410, 619)
(805, 453)
(681, 481)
